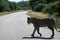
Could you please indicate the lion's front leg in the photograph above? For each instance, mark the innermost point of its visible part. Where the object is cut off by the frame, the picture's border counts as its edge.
(33, 32)
(38, 31)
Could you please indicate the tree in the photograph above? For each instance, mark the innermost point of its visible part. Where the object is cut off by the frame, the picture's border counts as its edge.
(12, 6)
(47, 6)
(4, 5)
(24, 5)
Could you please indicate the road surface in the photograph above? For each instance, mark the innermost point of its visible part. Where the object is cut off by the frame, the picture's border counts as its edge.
(14, 27)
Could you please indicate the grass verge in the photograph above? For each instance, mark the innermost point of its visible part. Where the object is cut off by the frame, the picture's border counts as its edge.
(5, 13)
(38, 15)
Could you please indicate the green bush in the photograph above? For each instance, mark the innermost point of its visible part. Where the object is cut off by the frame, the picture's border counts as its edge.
(39, 7)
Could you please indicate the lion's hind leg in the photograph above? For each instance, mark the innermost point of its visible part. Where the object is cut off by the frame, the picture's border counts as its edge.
(52, 29)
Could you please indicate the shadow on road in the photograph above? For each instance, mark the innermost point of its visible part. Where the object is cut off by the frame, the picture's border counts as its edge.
(36, 38)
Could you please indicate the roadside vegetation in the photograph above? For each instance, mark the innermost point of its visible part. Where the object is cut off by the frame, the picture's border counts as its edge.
(38, 15)
(6, 13)
(52, 7)
(6, 7)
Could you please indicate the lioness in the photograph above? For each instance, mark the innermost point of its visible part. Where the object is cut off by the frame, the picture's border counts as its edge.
(50, 23)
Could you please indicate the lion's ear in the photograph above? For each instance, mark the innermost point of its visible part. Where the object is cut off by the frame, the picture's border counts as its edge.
(27, 17)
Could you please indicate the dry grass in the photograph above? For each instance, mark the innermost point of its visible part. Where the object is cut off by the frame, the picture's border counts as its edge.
(4, 13)
(38, 15)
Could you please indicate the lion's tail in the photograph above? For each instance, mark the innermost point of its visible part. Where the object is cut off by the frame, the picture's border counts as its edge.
(54, 22)
(57, 29)
(55, 26)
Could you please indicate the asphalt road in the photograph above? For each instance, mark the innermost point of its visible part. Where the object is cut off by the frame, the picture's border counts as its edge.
(14, 27)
